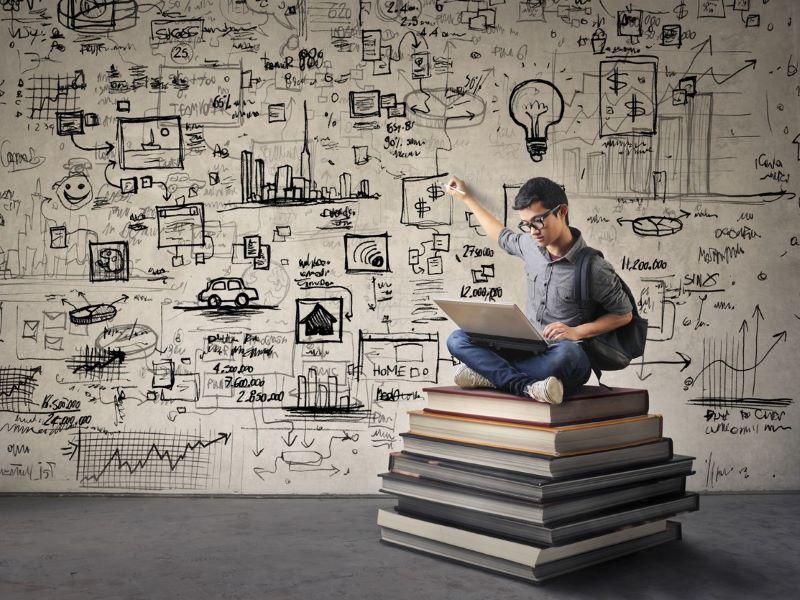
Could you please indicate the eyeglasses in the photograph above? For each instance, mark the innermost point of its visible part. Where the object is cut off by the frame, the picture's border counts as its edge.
(537, 222)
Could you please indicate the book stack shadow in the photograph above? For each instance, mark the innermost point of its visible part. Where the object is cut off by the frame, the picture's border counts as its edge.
(534, 490)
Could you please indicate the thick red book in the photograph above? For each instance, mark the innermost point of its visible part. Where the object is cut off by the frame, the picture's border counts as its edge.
(591, 403)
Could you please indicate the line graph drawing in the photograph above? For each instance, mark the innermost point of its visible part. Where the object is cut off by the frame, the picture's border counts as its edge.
(49, 94)
(146, 460)
(17, 386)
(729, 374)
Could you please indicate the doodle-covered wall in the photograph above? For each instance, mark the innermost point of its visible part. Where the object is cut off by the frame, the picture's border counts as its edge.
(222, 224)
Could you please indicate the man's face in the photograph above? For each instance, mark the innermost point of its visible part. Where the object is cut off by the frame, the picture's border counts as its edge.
(553, 224)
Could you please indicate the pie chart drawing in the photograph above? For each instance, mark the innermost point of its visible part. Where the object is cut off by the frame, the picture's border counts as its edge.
(135, 340)
(444, 107)
(656, 226)
(94, 313)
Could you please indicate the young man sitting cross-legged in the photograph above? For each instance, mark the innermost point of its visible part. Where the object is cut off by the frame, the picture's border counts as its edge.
(548, 246)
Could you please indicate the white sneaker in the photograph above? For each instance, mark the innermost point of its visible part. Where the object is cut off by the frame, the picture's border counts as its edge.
(465, 377)
(549, 390)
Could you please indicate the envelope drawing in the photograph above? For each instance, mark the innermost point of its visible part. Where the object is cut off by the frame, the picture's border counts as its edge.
(30, 330)
(53, 342)
(55, 320)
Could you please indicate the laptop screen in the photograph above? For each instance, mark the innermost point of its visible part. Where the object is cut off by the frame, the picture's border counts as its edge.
(503, 319)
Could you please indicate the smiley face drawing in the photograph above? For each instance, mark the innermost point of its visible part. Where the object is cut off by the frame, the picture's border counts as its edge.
(74, 191)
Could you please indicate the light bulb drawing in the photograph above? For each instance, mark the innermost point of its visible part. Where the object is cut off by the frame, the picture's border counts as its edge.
(536, 105)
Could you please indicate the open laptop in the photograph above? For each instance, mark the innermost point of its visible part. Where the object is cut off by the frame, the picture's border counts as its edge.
(495, 324)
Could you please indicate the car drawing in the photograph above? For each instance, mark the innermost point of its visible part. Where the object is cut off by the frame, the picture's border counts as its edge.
(227, 289)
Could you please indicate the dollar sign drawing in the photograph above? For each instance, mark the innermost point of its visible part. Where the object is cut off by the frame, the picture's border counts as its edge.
(616, 84)
(422, 207)
(435, 192)
(680, 11)
(635, 108)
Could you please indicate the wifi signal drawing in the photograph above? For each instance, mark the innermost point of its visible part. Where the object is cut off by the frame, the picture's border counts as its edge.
(366, 253)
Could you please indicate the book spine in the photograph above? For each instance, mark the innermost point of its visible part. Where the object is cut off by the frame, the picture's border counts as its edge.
(548, 424)
(436, 411)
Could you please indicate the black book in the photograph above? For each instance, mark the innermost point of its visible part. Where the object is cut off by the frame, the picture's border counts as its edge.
(554, 534)
(531, 487)
(516, 559)
(516, 507)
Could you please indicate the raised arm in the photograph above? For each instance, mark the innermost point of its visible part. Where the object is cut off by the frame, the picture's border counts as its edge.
(458, 189)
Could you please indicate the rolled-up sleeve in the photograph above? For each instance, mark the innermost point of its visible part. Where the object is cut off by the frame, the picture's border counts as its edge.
(510, 242)
(606, 288)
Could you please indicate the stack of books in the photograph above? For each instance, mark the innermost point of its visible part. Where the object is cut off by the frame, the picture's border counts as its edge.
(535, 490)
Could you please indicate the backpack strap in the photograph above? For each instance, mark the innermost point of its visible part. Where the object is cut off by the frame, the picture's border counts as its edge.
(582, 279)
(582, 290)
(582, 283)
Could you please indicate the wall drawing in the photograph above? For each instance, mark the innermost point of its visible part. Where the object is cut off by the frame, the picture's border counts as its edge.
(222, 225)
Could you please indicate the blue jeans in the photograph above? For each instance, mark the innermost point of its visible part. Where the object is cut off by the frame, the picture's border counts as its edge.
(514, 370)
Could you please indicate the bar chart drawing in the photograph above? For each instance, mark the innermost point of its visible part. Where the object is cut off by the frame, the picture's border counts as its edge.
(324, 390)
(288, 186)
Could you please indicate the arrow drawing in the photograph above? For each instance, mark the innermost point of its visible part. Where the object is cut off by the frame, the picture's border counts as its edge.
(684, 360)
(758, 316)
(108, 146)
(258, 450)
(111, 164)
(291, 437)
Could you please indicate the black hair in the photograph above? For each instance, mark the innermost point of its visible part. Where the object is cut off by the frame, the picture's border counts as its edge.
(540, 189)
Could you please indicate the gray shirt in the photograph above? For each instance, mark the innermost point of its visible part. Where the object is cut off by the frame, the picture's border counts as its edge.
(550, 283)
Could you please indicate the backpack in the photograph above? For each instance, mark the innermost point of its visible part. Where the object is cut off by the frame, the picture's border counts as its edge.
(615, 349)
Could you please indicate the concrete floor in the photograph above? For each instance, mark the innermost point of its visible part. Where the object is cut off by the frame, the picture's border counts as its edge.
(737, 546)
